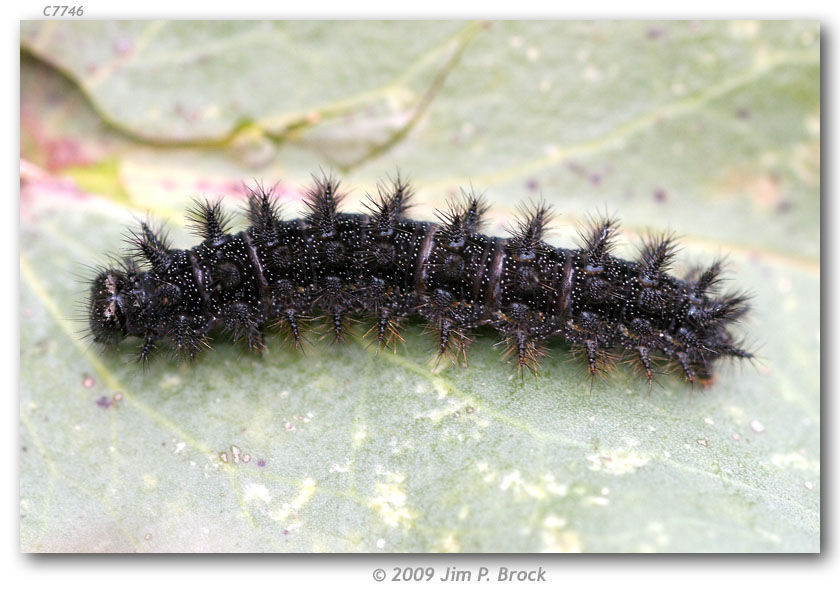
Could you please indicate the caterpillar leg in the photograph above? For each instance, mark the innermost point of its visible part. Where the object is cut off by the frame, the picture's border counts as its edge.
(244, 326)
(146, 351)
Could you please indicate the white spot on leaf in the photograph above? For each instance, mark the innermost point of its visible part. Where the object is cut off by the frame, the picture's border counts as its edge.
(257, 491)
(618, 462)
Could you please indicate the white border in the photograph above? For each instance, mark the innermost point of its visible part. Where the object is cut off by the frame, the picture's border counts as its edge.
(273, 577)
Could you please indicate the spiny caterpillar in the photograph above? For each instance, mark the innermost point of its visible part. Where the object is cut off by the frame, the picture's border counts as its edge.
(388, 267)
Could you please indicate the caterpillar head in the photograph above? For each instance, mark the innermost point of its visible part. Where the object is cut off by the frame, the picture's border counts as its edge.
(106, 309)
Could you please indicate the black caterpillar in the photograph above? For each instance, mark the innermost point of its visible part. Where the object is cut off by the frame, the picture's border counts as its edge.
(389, 267)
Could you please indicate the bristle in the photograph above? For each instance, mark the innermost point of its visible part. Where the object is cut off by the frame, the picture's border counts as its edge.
(243, 325)
(146, 351)
(156, 241)
(591, 348)
(737, 349)
(644, 359)
(729, 308)
(688, 369)
(150, 245)
(386, 329)
(656, 257)
(208, 220)
(263, 214)
(527, 233)
(388, 206)
(462, 218)
(291, 322)
(322, 201)
(599, 240)
(475, 208)
(452, 342)
(338, 324)
(520, 344)
(187, 343)
(708, 280)
(401, 195)
(445, 333)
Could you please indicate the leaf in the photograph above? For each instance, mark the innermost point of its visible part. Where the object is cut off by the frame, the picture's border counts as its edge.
(710, 129)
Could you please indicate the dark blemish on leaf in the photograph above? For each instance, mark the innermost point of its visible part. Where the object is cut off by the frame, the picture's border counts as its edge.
(261, 462)
(783, 206)
(660, 196)
(593, 177)
(88, 381)
(654, 33)
(576, 168)
(470, 410)
(532, 185)
(742, 113)
(105, 402)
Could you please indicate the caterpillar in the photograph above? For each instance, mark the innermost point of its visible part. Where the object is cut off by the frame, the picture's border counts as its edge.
(387, 267)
